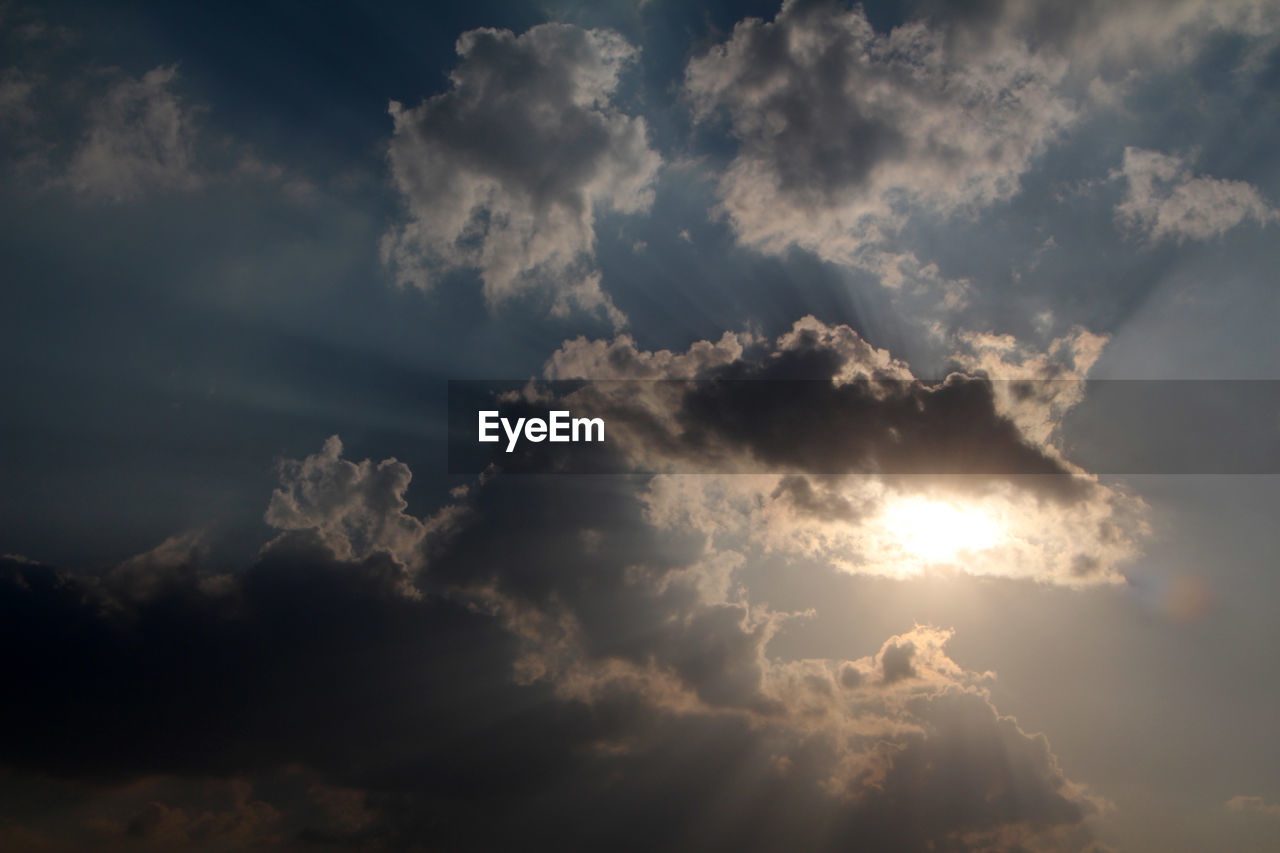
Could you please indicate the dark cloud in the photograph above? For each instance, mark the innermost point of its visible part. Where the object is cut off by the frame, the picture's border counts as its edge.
(821, 401)
(286, 665)
(582, 669)
(860, 427)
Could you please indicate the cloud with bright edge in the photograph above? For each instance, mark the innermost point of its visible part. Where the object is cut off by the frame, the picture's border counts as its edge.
(862, 733)
(841, 129)
(818, 497)
(507, 171)
(843, 132)
(898, 749)
(354, 509)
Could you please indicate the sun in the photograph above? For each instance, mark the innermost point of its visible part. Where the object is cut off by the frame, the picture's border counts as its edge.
(934, 531)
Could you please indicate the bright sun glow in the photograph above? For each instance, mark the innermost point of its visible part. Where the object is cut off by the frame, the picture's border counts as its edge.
(937, 532)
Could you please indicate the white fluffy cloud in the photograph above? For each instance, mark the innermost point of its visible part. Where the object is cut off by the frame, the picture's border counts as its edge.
(1165, 200)
(507, 171)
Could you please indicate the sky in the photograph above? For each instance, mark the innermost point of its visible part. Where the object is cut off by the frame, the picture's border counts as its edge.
(936, 347)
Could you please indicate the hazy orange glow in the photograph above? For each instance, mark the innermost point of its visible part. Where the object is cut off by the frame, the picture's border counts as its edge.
(934, 531)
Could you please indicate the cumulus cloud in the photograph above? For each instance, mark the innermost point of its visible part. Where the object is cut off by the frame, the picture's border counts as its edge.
(140, 137)
(844, 132)
(508, 170)
(1164, 200)
(354, 509)
(841, 129)
(1034, 389)
(822, 400)
(620, 358)
(839, 453)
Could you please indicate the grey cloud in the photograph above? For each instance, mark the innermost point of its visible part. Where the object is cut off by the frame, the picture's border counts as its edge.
(824, 503)
(140, 137)
(507, 171)
(841, 128)
(16, 88)
(895, 662)
(1164, 200)
(850, 676)
(1104, 41)
(845, 133)
(354, 509)
(1257, 805)
(146, 575)
(109, 136)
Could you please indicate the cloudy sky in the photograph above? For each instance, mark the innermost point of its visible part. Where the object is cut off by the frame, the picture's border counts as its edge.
(940, 513)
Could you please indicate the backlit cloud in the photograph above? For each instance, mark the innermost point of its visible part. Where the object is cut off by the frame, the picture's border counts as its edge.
(842, 129)
(844, 132)
(837, 452)
(354, 509)
(507, 171)
(598, 663)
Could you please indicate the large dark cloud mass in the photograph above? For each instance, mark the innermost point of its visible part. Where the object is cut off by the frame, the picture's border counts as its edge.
(583, 679)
